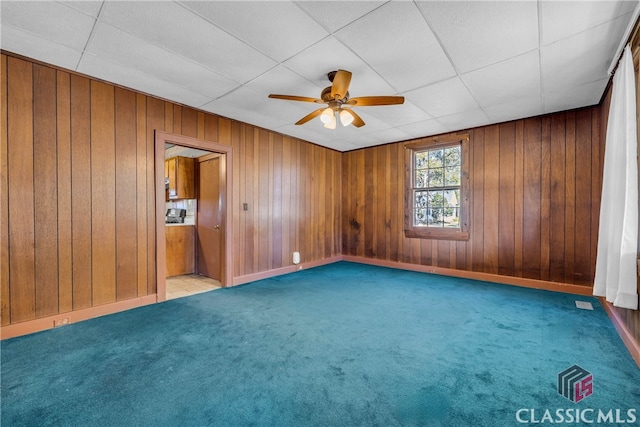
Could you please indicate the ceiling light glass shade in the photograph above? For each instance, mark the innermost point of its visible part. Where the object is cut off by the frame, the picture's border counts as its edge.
(332, 123)
(327, 116)
(346, 118)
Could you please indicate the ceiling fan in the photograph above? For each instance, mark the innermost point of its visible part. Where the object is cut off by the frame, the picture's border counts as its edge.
(338, 102)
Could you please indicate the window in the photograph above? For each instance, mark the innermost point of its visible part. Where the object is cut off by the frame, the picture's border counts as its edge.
(437, 184)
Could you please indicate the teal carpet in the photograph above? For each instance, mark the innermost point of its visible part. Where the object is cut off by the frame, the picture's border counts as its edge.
(339, 345)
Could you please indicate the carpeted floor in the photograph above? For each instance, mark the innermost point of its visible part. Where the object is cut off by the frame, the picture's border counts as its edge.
(339, 345)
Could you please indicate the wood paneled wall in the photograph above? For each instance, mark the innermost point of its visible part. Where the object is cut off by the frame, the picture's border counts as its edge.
(535, 200)
(77, 206)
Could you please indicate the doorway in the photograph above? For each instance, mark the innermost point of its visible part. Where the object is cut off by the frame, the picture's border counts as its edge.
(217, 228)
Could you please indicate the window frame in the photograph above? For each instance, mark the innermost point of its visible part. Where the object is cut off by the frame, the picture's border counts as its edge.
(439, 233)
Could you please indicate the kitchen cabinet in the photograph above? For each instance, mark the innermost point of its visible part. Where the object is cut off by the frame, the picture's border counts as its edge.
(181, 240)
(181, 174)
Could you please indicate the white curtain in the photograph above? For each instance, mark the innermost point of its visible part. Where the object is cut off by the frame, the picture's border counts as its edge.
(618, 233)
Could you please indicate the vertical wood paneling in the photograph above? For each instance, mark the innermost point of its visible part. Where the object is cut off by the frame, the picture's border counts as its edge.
(523, 213)
(143, 191)
(240, 184)
(155, 119)
(477, 200)
(491, 198)
(326, 232)
(287, 217)
(597, 159)
(177, 119)
(5, 310)
(570, 197)
(21, 190)
(81, 190)
(189, 122)
(532, 193)
(545, 197)
(368, 223)
(45, 190)
(557, 164)
(269, 210)
(103, 195)
(249, 228)
(295, 197)
(224, 131)
(262, 184)
(583, 265)
(85, 199)
(126, 195)
(381, 203)
(518, 212)
(64, 190)
(394, 176)
(507, 202)
(276, 157)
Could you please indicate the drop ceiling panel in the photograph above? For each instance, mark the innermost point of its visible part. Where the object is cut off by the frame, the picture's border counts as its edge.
(51, 21)
(132, 78)
(479, 33)
(258, 104)
(444, 98)
(514, 78)
(468, 119)
(117, 46)
(514, 109)
(267, 26)
(584, 15)
(570, 97)
(458, 63)
(396, 42)
(281, 80)
(324, 12)
(316, 132)
(396, 115)
(424, 128)
(173, 27)
(582, 58)
(330, 55)
(91, 8)
(32, 46)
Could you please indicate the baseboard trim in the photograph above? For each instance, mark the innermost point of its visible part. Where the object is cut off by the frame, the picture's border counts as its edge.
(627, 337)
(247, 278)
(487, 277)
(63, 319)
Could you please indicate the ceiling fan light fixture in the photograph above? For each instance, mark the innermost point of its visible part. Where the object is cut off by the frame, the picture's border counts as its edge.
(335, 96)
(327, 116)
(332, 122)
(346, 118)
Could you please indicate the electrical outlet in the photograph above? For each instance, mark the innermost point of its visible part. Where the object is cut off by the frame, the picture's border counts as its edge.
(61, 322)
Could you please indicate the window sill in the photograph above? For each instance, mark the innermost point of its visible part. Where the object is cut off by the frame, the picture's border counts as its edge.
(437, 234)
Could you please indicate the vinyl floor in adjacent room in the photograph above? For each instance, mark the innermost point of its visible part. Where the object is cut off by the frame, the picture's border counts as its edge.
(190, 284)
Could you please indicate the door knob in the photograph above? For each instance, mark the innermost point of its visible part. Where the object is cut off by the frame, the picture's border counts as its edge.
(217, 227)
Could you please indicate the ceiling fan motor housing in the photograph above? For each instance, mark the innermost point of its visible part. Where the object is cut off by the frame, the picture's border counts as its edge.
(326, 96)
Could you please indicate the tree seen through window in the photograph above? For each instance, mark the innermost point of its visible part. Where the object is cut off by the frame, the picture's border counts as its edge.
(436, 186)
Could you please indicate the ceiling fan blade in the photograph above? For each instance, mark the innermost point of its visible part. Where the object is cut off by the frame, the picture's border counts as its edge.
(366, 101)
(341, 82)
(310, 116)
(296, 98)
(357, 120)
